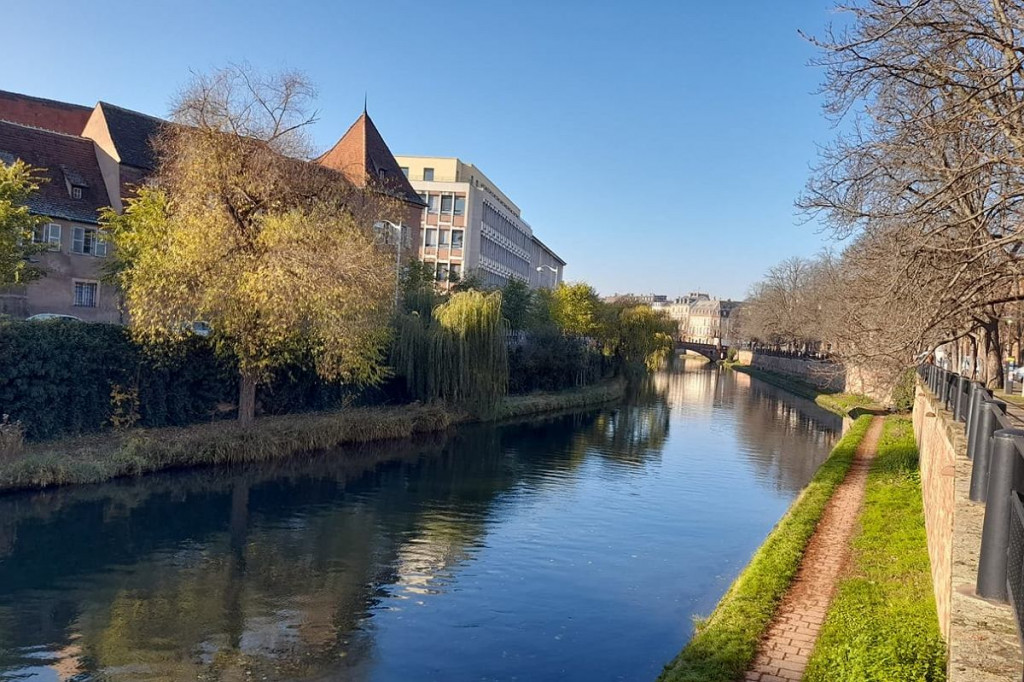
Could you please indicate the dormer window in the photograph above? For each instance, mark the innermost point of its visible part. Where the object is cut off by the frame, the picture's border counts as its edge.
(381, 173)
(76, 192)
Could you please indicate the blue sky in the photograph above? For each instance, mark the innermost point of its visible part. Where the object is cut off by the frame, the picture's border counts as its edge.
(656, 146)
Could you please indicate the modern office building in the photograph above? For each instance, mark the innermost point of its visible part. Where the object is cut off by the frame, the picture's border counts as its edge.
(469, 225)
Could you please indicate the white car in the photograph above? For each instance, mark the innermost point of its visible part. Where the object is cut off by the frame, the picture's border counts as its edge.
(43, 317)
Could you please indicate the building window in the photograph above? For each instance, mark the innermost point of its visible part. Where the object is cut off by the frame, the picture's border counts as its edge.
(86, 240)
(76, 192)
(47, 234)
(460, 205)
(457, 239)
(381, 173)
(428, 173)
(405, 170)
(86, 294)
(432, 204)
(444, 237)
(446, 203)
(431, 237)
(442, 272)
(455, 272)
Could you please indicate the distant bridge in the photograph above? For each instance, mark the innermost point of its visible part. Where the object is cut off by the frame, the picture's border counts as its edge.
(712, 352)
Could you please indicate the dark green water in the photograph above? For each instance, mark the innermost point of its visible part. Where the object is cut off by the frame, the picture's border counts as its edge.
(574, 548)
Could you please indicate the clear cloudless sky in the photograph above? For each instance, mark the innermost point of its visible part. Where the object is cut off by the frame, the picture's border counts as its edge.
(657, 146)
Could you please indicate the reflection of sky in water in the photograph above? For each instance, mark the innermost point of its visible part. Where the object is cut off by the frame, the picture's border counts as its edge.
(577, 547)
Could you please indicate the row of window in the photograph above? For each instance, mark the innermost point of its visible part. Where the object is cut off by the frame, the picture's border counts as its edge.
(454, 204)
(505, 227)
(449, 272)
(499, 254)
(430, 237)
(84, 240)
(428, 173)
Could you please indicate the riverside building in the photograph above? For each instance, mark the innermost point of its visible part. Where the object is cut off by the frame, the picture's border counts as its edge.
(469, 225)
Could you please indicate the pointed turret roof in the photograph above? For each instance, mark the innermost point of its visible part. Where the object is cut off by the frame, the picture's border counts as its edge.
(362, 156)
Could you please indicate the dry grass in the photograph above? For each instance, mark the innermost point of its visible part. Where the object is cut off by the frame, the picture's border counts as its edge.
(100, 457)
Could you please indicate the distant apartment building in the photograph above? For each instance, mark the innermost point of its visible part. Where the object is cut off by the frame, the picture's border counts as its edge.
(710, 321)
(469, 225)
(92, 157)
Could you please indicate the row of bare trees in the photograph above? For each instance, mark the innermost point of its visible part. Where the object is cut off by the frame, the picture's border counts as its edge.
(924, 186)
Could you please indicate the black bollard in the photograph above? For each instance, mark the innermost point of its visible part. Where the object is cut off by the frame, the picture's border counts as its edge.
(960, 412)
(977, 395)
(995, 534)
(943, 387)
(988, 424)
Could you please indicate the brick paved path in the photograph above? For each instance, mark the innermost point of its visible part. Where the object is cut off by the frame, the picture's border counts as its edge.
(782, 654)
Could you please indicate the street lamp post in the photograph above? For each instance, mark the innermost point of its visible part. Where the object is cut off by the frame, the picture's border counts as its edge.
(398, 258)
(554, 271)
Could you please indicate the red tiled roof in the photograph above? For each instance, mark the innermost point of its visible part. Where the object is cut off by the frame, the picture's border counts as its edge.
(63, 159)
(362, 156)
(49, 114)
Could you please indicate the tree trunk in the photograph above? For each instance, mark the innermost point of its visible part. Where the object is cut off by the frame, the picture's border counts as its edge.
(974, 356)
(247, 399)
(993, 354)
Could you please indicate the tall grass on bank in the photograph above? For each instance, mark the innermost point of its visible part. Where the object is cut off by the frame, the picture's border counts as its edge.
(724, 644)
(882, 624)
(100, 457)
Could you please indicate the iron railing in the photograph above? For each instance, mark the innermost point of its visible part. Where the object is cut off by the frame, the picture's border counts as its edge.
(996, 446)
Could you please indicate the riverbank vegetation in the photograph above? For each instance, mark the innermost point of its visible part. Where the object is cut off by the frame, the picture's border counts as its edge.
(882, 623)
(922, 188)
(724, 644)
(843, 404)
(100, 457)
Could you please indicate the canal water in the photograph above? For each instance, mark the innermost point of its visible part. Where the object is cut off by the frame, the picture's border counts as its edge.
(578, 547)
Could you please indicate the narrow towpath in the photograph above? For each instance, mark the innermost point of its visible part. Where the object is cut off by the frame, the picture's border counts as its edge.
(783, 653)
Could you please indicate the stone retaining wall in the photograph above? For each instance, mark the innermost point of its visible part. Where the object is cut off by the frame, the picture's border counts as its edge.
(981, 635)
(938, 475)
(823, 375)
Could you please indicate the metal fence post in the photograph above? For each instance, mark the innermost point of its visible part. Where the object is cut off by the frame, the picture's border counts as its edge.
(960, 405)
(973, 414)
(988, 424)
(995, 534)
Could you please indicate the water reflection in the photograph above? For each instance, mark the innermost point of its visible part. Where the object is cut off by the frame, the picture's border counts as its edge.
(576, 547)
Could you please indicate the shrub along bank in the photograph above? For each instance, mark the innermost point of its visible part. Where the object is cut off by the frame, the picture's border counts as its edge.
(724, 645)
(882, 623)
(99, 457)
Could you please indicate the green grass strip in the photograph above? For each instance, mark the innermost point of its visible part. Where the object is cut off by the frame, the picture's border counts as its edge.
(724, 645)
(839, 403)
(882, 623)
(100, 457)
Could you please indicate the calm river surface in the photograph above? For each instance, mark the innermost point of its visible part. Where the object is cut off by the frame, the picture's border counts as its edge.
(571, 548)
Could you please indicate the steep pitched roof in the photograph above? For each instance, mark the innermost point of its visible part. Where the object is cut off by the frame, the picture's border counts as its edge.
(65, 160)
(48, 114)
(362, 156)
(132, 133)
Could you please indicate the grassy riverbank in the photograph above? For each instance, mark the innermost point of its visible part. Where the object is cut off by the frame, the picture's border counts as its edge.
(842, 404)
(882, 623)
(95, 458)
(724, 644)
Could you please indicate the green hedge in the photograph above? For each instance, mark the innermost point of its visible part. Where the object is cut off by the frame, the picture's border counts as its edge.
(57, 378)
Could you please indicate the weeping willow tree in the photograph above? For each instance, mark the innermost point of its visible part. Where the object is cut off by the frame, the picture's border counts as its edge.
(459, 356)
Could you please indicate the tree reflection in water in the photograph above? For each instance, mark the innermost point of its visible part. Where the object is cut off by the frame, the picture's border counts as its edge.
(282, 570)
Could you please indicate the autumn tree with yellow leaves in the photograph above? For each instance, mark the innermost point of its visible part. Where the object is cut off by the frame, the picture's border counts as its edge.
(239, 231)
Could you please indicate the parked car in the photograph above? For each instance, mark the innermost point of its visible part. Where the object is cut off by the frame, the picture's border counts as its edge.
(43, 317)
